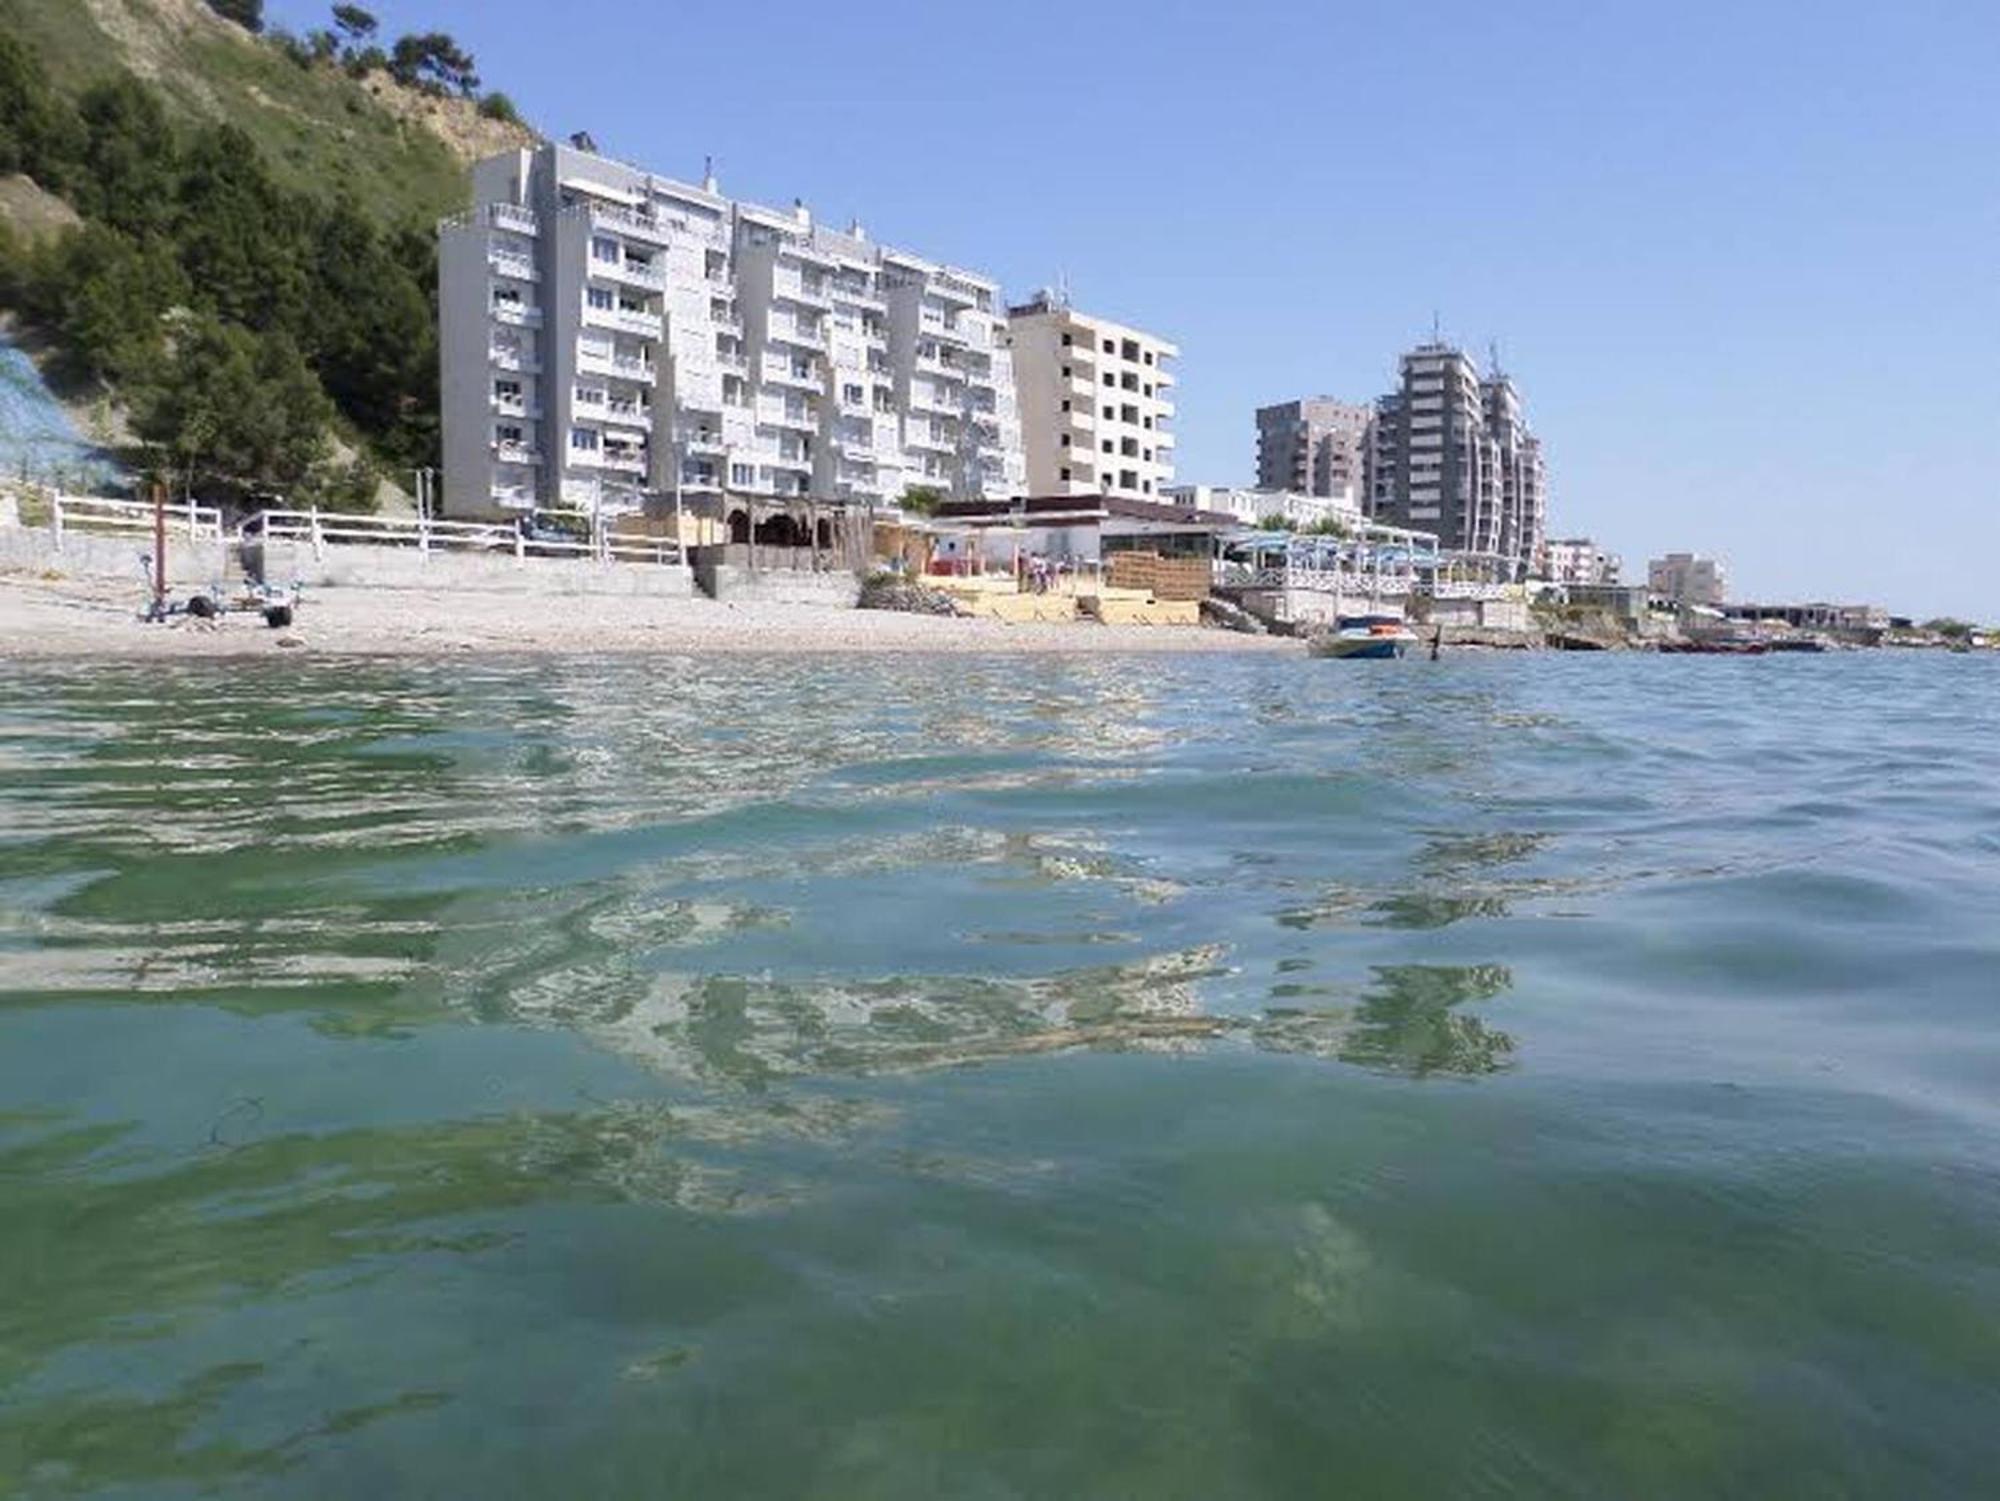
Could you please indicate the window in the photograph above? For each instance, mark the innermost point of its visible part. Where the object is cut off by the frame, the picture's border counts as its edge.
(741, 474)
(1110, 347)
(604, 249)
(1107, 445)
(507, 433)
(1065, 473)
(583, 439)
(1065, 372)
(1063, 440)
(1146, 390)
(1147, 455)
(1147, 423)
(854, 396)
(1149, 356)
(507, 388)
(1107, 378)
(1066, 344)
(599, 297)
(1146, 485)
(1065, 405)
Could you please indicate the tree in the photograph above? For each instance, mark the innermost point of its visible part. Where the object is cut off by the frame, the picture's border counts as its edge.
(354, 23)
(127, 164)
(922, 500)
(1950, 629)
(104, 293)
(232, 414)
(248, 14)
(37, 134)
(433, 62)
(1277, 521)
(497, 106)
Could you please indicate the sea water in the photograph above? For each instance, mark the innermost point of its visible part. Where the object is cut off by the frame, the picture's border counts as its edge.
(960, 1076)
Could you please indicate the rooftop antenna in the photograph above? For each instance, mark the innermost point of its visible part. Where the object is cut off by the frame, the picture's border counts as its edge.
(1437, 329)
(1493, 354)
(708, 183)
(1062, 289)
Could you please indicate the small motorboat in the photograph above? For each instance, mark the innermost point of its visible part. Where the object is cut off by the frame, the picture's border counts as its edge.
(1366, 636)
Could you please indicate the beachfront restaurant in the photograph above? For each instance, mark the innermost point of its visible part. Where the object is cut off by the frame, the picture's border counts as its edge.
(1080, 533)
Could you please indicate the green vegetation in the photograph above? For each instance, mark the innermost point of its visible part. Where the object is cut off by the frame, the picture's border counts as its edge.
(1950, 629)
(1277, 521)
(257, 256)
(922, 500)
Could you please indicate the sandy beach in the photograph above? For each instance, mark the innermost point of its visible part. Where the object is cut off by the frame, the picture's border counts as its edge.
(42, 618)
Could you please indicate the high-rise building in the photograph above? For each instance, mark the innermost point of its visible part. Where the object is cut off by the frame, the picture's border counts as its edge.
(1450, 452)
(610, 338)
(1687, 578)
(1313, 446)
(1096, 416)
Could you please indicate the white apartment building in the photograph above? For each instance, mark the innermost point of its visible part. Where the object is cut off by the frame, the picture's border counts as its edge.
(1254, 507)
(1578, 560)
(1095, 402)
(612, 341)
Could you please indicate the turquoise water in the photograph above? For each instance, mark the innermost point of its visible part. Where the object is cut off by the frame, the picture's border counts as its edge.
(1568, 1076)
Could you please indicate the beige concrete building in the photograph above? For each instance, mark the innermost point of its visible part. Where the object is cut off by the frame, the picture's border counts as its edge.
(1313, 446)
(1095, 402)
(1688, 578)
(1579, 560)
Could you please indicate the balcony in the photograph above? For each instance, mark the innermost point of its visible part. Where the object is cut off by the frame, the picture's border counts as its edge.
(798, 417)
(639, 225)
(928, 440)
(516, 406)
(728, 361)
(627, 414)
(623, 366)
(625, 460)
(512, 216)
(505, 263)
(507, 451)
(784, 373)
(625, 321)
(794, 289)
(513, 497)
(700, 440)
(504, 358)
(517, 315)
(631, 272)
(864, 298)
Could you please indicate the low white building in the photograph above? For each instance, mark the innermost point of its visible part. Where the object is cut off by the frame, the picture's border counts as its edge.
(1259, 507)
(1578, 560)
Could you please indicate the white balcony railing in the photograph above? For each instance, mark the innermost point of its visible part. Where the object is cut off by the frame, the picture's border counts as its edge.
(512, 216)
(513, 359)
(517, 266)
(507, 451)
(517, 315)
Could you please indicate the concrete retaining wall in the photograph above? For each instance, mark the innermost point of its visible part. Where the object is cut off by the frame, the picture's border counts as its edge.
(32, 549)
(787, 586)
(407, 568)
(112, 555)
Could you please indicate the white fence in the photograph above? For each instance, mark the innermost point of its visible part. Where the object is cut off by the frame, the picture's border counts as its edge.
(88, 513)
(317, 529)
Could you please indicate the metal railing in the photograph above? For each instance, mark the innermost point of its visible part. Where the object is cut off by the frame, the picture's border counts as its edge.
(321, 529)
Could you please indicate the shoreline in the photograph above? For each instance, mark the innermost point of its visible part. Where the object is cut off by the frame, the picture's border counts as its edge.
(67, 619)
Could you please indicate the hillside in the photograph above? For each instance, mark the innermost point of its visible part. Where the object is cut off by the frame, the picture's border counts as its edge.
(401, 152)
(221, 244)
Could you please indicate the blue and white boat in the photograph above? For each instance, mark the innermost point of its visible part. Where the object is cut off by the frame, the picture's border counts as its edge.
(1364, 636)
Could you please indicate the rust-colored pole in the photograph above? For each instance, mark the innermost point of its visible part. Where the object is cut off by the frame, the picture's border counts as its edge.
(159, 547)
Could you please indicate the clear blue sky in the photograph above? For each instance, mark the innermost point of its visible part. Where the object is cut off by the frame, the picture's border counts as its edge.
(1743, 258)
